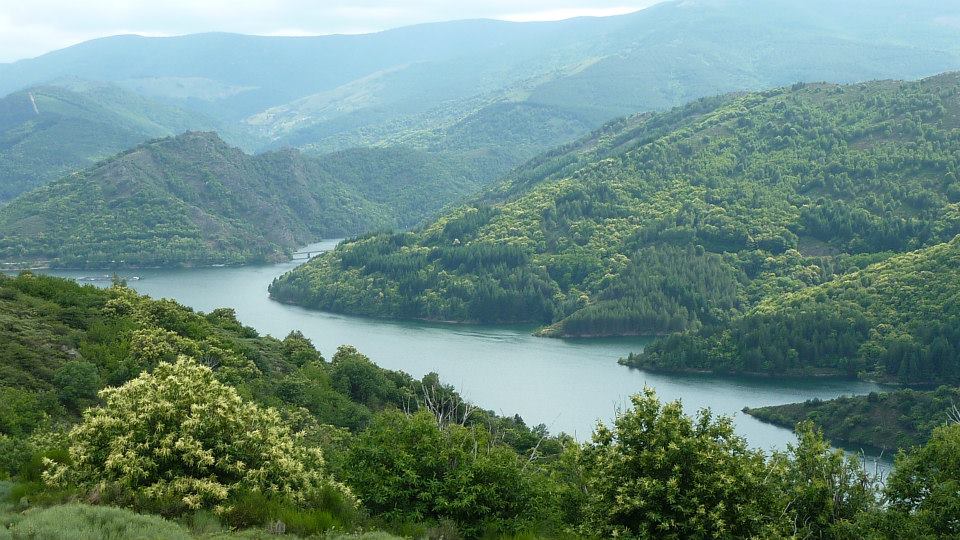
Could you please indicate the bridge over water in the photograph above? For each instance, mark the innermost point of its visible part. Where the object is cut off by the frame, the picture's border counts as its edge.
(306, 255)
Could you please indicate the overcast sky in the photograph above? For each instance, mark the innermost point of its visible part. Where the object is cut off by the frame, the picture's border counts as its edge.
(30, 28)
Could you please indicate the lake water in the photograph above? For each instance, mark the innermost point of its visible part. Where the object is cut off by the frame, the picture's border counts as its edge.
(566, 384)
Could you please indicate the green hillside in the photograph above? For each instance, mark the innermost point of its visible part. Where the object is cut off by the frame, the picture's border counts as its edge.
(406, 184)
(895, 320)
(193, 199)
(49, 131)
(889, 421)
(62, 327)
(671, 221)
(63, 343)
(127, 417)
(487, 141)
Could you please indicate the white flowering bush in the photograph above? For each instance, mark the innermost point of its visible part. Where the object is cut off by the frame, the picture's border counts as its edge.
(179, 439)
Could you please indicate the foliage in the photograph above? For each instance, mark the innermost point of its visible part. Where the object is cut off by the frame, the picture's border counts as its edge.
(823, 489)
(177, 436)
(128, 337)
(889, 421)
(658, 473)
(194, 200)
(895, 320)
(324, 511)
(925, 482)
(82, 522)
(77, 383)
(412, 468)
(737, 199)
(421, 460)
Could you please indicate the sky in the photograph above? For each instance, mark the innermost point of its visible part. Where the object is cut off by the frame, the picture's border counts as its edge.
(29, 28)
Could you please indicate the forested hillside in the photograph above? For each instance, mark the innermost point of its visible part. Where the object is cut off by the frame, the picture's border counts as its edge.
(888, 421)
(124, 416)
(897, 320)
(193, 200)
(674, 221)
(49, 131)
(62, 343)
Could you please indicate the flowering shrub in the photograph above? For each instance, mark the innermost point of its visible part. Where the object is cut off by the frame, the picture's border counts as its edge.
(179, 439)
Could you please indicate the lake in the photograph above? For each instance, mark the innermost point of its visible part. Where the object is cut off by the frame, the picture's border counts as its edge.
(566, 384)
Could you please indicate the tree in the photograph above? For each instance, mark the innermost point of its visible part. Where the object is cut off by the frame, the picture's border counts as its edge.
(822, 487)
(408, 467)
(354, 375)
(178, 439)
(925, 482)
(299, 350)
(77, 383)
(658, 473)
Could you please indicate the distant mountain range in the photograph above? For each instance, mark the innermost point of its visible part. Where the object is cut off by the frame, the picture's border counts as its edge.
(487, 93)
(51, 130)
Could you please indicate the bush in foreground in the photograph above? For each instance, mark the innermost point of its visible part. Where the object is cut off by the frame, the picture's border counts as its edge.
(410, 468)
(178, 440)
(659, 473)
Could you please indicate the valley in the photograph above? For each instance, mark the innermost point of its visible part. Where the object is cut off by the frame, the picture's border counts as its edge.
(672, 269)
(505, 368)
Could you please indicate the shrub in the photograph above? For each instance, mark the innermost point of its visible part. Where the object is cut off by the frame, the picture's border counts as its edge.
(328, 510)
(409, 468)
(177, 439)
(926, 480)
(77, 383)
(824, 490)
(21, 411)
(659, 473)
(15, 452)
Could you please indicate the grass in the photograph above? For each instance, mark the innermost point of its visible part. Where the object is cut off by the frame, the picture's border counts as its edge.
(83, 522)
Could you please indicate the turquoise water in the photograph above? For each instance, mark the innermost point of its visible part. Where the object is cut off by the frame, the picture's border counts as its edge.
(566, 384)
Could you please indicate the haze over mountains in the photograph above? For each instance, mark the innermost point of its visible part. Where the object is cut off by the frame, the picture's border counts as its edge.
(489, 94)
(50, 130)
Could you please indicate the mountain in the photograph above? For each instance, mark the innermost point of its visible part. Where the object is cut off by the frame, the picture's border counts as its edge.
(48, 131)
(193, 199)
(435, 86)
(598, 69)
(897, 320)
(667, 222)
(491, 140)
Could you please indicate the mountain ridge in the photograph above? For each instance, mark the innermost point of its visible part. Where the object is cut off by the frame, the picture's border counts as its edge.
(193, 199)
(48, 131)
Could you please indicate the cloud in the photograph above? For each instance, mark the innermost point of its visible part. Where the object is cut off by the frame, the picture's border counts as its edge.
(32, 28)
(568, 13)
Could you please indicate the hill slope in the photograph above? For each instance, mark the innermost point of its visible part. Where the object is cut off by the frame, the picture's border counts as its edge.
(195, 200)
(50, 322)
(888, 421)
(665, 222)
(49, 131)
(895, 320)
